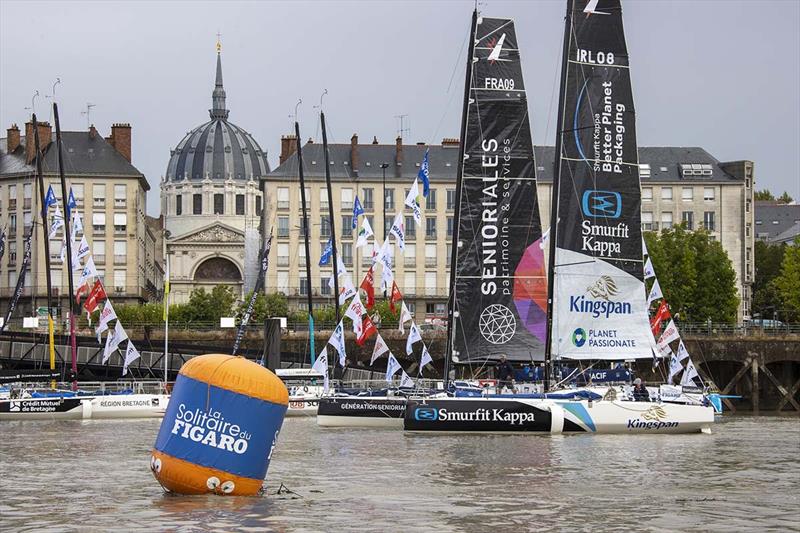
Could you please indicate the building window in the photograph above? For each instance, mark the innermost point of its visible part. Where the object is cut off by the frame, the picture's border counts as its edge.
(99, 223)
(27, 220)
(369, 201)
(687, 194)
(666, 220)
(77, 192)
(430, 283)
(411, 228)
(325, 288)
(120, 223)
(388, 202)
(430, 309)
(240, 204)
(346, 196)
(647, 221)
(301, 254)
(323, 199)
(304, 286)
(412, 307)
(300, 197)
(283, 254)
(283, 198)
(440, 309)
(12, 225)
(448, 255)
(430, 227)
(410, 283)
(283, 282)
(387, 226)
(197, 204)
(283, 226)
(258, 206)
(410, 256)
(98, 195)
(119, 281)
(708, 193)
(449, 227)
(120, 252)
(179, 204)
(219, 204)
(26, 195)
(430, 202)
(347, 253)
(687, 219)
(98, 250)
(430, 255)
(708, 220)
(347, 226)
(644, 170)
(647, 194)
(451, 199)
(12, 257)
(666, 193)
(120, 195)
(324, 227)
(12, 197)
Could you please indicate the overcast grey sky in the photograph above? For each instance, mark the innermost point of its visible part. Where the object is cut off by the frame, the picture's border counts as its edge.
(721, 74)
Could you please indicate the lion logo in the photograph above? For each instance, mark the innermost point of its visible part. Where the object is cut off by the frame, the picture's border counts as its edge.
(655, 412)
(605, 287)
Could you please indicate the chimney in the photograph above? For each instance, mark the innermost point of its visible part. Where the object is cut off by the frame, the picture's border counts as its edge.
(288, 147)
(398, 160)
(374, 139)
(45, 135)
(354, 152)
(29, 145)
(451, 142)
(92, 132)
(120, 139)
(12, 138)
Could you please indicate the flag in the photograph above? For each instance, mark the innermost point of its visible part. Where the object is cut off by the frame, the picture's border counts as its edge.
(398, 229)
(131, 355)
(413, 336)
(689, 374)
(543, 240)
(368, 285)
(412, 201)
(83, 248)
(106, 315)
(166, 290)
(683, 353)
(337, 341)
(405, 316)
(347, 290)
(50, 198)
(648, 270)
(675, 366)
(392, 366)
(364, 233)
(113, 340)
(354, 312)
(379, 349)
(670, 333)
(2, 243)
(405, 381)
(260, 280)
(321, 366)
(644, 247)
(58, 222)
(64, 249)
(661, 314)
(357, 210)
(77, 226)
(71, 203)
(368, 329)
(425, 359)
(89, 271)
(387, 277)
(395, 297)
(655, 293)
(325, 258)
(96, 295)
(424, 174)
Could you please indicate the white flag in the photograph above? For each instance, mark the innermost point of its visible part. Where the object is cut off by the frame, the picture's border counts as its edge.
(341, 268)
(406, 382)
(426, 358)
(58, 222)
(405, 316)
(689, 374)
(413, 336)
(364, 233)
(670, 333)
(113, 340)
(644, 247)
(64, 249)
(544, 239)
(77, 225)
(648, 270)
(392, 366)
(675, 366)
(83, 248)
(683, 353)
(337, 341)
(398, 229)
(655, 293)
(347, 290)
(106, 315)
(131, 355)
(384, 254)
(354, 312)
(379, 349)
(412, 201)
(321, 366)
(89, 271)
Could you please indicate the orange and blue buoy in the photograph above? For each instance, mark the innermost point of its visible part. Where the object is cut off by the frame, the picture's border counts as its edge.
(220, 427)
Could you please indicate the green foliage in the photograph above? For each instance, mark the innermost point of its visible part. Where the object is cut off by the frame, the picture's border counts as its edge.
(787, 284)
(266, 306)
(764, 195)
(151, 313)
(695, 274)
(768, 259)
(205, 307)
(784, 198)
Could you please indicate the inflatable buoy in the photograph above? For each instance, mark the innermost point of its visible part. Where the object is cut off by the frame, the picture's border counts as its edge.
(220, 427)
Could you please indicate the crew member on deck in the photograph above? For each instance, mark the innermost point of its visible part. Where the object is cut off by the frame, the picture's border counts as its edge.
(504, 373)
(640, 392)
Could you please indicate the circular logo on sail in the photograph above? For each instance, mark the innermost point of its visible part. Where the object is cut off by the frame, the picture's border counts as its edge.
(497, 324)
(579, 337)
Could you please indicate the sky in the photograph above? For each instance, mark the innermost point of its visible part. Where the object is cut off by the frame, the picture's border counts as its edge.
(719, 74)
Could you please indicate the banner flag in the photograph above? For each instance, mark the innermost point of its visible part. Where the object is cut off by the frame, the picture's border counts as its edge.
(83, 248)
(392, 366)
(412, 201)
(354, 312)
(50, 198)
(413, 336)
(648, 270)
(337, 341)
(406, 382)
(327, 253)
(89, 271)
(689, 374)
(424, 174)
(368, 329)
(58, 222)
(321, 366)
(358, 209)
(675, 366)
(670, 333)
(71, 203)
(2, 243)
(683, 353)
(364, 233)
(644, 247)
(347, 290)
(113, 340)
(405, 316)
(662, 313)
(368, 285)
(655, 293)
(26, 261)
(425, 359)
(379, 349)
(398, 229)
(106, 315)
(131, 355)
(77, 226)
(96, 295)
(395, 296)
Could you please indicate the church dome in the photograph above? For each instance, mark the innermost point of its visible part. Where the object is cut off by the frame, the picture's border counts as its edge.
(218, 149)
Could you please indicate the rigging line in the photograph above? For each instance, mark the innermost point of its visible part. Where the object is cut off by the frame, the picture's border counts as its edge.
(449, 86)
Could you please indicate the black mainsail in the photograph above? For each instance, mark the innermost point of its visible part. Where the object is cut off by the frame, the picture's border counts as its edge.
(598, 305)
(500, 282)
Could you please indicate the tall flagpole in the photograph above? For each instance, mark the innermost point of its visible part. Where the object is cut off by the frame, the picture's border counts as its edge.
(166, 322)
(330, 216)
(307, 236)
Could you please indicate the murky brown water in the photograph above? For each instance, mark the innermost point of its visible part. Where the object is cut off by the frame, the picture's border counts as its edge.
(94, 476)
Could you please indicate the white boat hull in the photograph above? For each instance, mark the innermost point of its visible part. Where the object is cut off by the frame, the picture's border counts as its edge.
(302, 406)
(85, 407)
(358, 411)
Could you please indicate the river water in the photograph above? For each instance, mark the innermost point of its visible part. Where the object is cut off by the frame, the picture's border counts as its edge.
(94, 476)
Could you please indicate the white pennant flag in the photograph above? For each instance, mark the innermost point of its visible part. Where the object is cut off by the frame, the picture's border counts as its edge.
(405, 316)
(58, 222)
(648, 270)
(670, 333)
(77, 225)
(89, 271)
(392, 366)
(655, 293)
(683, 353)
(131, 355)
(347, 290)
(341, 268)
(406, 382)
(64, 249)
(337, 341)
(413, 336)
(675, 366)
(426, 358)
(83, 248)
(379, 349)
(387, 278)
(398, 229)
(412, 201)
(364, 233)
(321, 366)
(113, 340)
(355, 311)
(376, 249)
(689, 374)
(644, 247)
(106, 315)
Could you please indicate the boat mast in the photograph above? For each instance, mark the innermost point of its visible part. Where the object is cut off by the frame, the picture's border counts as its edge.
(166, 316)
(45, 236)
(306, 235)
(330, 216)
(451, 303)
(548, 355)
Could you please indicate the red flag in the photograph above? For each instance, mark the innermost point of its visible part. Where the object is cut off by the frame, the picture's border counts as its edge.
(369, 287)
(368, 329)
(662, 314)
(96, 295)
(395, 297)
(83, 288)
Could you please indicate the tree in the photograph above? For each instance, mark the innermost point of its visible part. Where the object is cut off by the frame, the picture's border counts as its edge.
(768, 259)
(266, 306)
(788, 283)
(764, 195)
(784, 198)
(204, 306)
(674, 262)
(715, 295)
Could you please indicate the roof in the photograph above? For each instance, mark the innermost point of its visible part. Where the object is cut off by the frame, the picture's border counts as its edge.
(775, 219)
(665, 162)
(787, 236)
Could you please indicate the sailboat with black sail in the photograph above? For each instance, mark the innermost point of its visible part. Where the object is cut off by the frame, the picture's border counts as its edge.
(597, 307)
